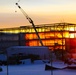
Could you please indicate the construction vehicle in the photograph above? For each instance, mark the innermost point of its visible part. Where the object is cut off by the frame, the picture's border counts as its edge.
(30, 21)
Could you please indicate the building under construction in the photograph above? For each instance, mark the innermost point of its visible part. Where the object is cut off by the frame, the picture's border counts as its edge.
(55, 36)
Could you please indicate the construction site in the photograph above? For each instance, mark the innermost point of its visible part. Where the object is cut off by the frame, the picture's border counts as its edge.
(56, 36)
(38, 49)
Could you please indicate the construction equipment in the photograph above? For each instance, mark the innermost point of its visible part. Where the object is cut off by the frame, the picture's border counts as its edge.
(30, 21)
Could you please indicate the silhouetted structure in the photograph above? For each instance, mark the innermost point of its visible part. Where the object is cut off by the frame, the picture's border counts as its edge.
(57, 36)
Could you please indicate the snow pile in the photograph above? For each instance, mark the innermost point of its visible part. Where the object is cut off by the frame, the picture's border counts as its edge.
(34, 69)
(27, 61)
(38, 62)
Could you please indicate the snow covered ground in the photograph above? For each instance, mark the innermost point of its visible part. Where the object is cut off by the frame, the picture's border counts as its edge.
(38, 68)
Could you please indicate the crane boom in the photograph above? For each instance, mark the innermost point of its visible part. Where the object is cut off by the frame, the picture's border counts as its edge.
(31, 21)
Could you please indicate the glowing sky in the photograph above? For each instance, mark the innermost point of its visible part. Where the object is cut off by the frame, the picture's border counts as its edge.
(41, 11)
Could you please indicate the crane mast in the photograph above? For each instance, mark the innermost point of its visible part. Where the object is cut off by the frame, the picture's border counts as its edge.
(30, 21)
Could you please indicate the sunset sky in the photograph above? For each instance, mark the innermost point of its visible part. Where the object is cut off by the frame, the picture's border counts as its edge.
(41, 11)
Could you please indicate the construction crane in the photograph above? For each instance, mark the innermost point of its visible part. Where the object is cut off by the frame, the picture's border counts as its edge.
(30, 21)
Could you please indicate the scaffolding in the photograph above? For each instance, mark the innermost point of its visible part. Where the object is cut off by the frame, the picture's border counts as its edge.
(55, 36)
